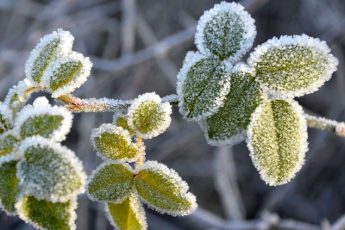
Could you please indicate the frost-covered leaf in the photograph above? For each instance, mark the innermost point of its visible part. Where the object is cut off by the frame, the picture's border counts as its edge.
(67, 74)
(229, 124)
(114, 143)
(127, 215)
(226, 31)
(42, 119)
(149, 116)
(50, 47)
(121, 120)
(7, 143)
(277, 140)
(202, 85)
(163, 189)
(5, 118)
(49, 171)
(8, 185)
(46, 215)
(293, 65)
(17, 96)
(111, 182)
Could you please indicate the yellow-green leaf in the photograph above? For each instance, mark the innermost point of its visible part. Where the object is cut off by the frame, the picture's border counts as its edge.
(277, 140)
(111, 182)
(8, 185)
(122, 121)
(163, 190)
(47, 215)
(127, 215)
(114, 143)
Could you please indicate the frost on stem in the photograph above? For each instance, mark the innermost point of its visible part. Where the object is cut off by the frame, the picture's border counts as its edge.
(226, 31)
(277, 140)
(293, 65)
(129, 214)
(149, 116)
(49, 171)
(46, 215)
(51, 47)
(229, 124)
(67, 74)
(202, 85)
(111, 182)
(42, 119)
(114, 143)
(163, 190)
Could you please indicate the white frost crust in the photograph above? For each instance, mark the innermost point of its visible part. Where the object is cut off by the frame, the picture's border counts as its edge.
(41, 107)
(162, 107)
(65, 153)
(136, 205)
(7, 113)
(111, 129)
(233, 140)
(155, 166)
(77, 81)
(63, 49)
(315, 44)
(72, 212)
(304, 142)
(232, 8)
(18, 89)
(96, 171)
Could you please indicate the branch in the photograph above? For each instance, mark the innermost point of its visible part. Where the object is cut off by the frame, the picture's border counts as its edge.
(325, 124)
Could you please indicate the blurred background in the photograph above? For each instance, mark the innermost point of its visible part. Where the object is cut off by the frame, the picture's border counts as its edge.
(138, 46)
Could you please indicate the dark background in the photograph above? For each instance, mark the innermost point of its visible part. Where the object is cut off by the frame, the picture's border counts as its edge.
(138, 46)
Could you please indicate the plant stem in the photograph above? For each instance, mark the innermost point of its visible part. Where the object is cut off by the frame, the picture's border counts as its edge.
(326, 124)
(141, 158)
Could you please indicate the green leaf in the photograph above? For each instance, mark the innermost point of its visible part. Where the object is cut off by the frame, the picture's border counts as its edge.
(17, 96)
(46, 215)
(7, 143)
(163, 189)
(111, 182)
(226, 31)
(149, 116)
(67, 74)
(114, 143)
(277, 140)
(8, 186)
(127, 215)
(202, 86)
(229, 124)
(49, 48)
(293, 65)
(50, 171)
(122, 121)
(43, 120)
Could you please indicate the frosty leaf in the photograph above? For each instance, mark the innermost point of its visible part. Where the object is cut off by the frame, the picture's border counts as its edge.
(202, 86)
(229, 124)
(50, 171)
(8, 186)
(122, 121)
(277, 140)
(7, 143)
(46, 215)
(5, 118)
(226, 31)
(127, 215)
(114, 143)
(149, 116)
(293, 65)
(67, 74)
(42, 119)
(17, 96)
(50, 47)
(111, 182)
(163, 189)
